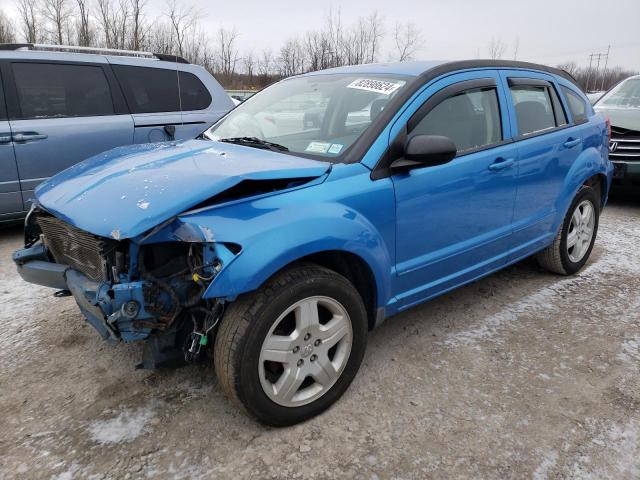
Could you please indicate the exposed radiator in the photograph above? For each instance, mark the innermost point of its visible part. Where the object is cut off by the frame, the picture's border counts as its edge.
(78, 249)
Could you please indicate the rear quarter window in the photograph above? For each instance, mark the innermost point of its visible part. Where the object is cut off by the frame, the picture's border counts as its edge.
(155, 90)
(577, 106)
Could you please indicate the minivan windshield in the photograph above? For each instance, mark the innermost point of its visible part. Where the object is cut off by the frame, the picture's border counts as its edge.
(625, 95)
(316, 115)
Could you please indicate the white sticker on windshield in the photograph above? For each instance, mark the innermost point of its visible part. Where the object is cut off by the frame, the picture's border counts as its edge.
(335, 148)
(318, 147)
(377, 86)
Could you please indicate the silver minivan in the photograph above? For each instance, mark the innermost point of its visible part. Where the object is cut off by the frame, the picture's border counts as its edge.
(60, 105)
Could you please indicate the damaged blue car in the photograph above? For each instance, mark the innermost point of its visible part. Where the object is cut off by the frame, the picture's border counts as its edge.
(316, 209)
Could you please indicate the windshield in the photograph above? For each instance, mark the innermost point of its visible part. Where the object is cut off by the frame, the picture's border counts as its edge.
(318, 115)
(626, 94)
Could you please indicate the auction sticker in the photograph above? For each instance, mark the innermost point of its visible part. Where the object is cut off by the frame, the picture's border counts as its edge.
(335, 148)
(377, 86)
(318, 147)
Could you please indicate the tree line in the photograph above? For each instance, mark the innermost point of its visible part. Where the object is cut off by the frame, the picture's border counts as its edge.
(178, 30)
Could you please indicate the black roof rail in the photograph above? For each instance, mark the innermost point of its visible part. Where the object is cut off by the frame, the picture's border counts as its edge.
(167, 57)
(15, 46)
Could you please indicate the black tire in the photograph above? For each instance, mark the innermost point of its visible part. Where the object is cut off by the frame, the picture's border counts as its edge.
(555, 257)
(248, 321)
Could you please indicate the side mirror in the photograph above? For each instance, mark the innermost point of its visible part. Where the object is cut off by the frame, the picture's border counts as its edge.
(425, 151)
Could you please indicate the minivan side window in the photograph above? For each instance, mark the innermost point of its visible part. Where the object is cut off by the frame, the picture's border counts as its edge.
(576, 104)
(471, 119)
(3, 106)
(534, 111)
(154, 90)
(55, 90)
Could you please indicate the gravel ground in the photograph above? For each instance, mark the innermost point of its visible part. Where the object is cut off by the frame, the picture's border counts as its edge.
(521, 374)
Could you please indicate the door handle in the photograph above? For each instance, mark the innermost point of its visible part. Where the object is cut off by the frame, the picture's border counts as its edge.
(5, 137)
(27, 137)
(501, 164)
(571, 142)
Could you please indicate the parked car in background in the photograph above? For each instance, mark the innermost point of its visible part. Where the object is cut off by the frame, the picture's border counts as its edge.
(594, 96)
(65, 106)
(281, 247)
(621, 105)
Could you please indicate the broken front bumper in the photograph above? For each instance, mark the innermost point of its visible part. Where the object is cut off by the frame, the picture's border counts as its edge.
(116, 311)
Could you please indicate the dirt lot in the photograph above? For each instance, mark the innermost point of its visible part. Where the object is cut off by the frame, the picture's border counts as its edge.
(522, 374)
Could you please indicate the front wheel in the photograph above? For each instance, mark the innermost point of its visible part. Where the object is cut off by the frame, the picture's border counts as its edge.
(573, 244)
(289, 350)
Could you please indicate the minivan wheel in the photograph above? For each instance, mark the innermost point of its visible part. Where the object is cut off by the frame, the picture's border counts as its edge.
(289, 350)
(574, 242)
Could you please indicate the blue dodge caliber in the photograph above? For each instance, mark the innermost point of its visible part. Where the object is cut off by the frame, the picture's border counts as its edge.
(316, 209)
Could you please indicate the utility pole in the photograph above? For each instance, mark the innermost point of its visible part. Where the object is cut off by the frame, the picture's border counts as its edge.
(598, 57)
(586, 87)
(606, 61)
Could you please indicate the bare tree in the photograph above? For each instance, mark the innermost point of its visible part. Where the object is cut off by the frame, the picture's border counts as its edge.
(29, 19)
(408, 40)
(516, 47)
(84, 31)
(227, 51)
(7, 32)
(114, 22)
(570, 67)
(138, 28)
(496, 48)
(265, 64)
(160, 38)
(249, 62)
(376, 29)
(57, 13)
(183, 21)
(292, 61)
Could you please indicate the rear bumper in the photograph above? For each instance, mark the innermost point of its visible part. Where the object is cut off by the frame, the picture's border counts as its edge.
(101, 303)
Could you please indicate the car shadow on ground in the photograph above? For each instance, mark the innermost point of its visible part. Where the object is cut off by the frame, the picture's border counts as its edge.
(624, 198)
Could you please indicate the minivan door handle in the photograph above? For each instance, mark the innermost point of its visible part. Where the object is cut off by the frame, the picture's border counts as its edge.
(572, 142)
(501, 164)
(28, 137)
(5, 137)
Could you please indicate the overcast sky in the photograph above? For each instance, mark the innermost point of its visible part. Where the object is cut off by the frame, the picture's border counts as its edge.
(548, 31)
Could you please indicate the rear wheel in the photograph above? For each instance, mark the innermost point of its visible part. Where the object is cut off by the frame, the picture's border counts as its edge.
(573, 244)
(289, 350)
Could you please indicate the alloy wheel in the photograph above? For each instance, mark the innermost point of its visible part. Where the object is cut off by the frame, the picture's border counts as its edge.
(305, 351)
(580, 233)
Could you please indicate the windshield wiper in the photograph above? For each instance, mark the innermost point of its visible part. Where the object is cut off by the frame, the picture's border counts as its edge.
(256, 143)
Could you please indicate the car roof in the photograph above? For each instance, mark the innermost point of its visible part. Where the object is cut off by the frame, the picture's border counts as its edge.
(432, 68)
(412, 68)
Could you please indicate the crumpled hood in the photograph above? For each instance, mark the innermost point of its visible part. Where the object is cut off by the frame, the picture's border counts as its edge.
(628, 118)
(126, 191)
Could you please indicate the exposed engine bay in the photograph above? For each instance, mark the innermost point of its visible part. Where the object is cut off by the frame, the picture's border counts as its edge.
(131, 292)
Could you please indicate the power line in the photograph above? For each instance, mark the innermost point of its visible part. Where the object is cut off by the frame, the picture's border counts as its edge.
(599, 56)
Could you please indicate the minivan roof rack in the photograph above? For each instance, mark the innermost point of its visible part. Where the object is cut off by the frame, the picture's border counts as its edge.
(41, 47)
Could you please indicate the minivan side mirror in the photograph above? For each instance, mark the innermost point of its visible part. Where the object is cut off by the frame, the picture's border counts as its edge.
(425, 151)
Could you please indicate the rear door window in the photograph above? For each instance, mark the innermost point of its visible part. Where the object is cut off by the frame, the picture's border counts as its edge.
(534, 111)
(51, 90)
(155, 90)
(577, 105)
(471, 119)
